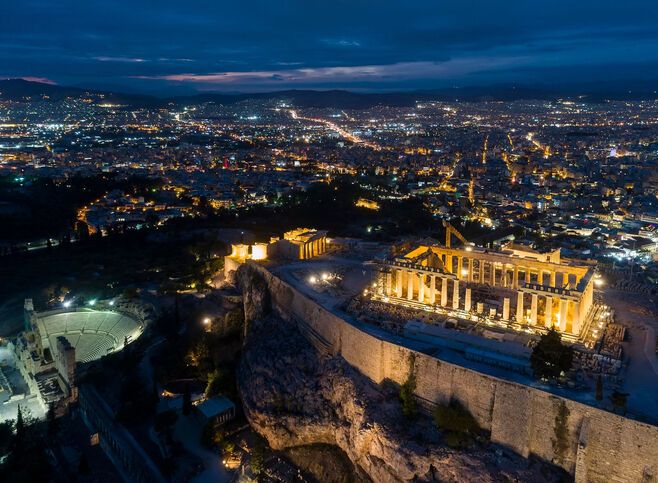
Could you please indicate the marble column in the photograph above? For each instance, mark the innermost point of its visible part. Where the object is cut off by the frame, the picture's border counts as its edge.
(548, 312)
(564, 305)
(481, 277)
(421, 287)
(533, 309)
(455, 295)
(575, 321)
(470, 269)
(444, 292)
(527, 275)
(519, 308)
(493, 274)
(515, 278)
(398, 283)
(506, 308)
(432, 289)
(410, 285)
(467, 300)
(460, 264)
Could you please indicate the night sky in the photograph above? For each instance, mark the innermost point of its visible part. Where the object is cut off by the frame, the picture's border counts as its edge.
(158, 46)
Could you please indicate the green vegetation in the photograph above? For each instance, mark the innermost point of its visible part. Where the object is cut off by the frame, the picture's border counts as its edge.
(458, 424)
(619, 400)
(137, 401)
(218, 381)
(560, 441)
(257, 461)
(22, 450)
(46, 207)
(407, 398)
(213, 435)
(550, 358)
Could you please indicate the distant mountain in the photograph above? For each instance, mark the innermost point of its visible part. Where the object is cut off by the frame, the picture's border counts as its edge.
(22, 90)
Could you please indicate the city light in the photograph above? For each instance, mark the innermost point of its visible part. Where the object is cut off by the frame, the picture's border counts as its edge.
(66, 304)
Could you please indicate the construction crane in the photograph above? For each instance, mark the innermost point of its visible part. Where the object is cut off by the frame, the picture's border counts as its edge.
(450, 231)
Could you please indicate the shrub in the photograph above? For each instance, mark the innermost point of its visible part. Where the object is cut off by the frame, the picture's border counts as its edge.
(407, 398)
(550, 357)
(457, 422)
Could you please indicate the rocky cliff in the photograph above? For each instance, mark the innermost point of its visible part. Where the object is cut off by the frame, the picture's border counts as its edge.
(295, 396)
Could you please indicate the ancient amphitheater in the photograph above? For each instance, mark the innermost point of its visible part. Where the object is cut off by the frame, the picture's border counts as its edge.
(93, 333)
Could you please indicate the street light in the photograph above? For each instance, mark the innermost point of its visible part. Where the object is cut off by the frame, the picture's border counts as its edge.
(206, 321)
(66, 304)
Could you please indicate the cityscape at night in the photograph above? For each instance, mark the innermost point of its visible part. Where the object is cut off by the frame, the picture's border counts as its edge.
(338, 242)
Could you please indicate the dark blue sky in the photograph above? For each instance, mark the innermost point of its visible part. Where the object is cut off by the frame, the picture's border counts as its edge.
(248, 45)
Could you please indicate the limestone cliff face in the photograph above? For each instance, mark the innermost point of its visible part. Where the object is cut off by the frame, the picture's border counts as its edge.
(294, 396)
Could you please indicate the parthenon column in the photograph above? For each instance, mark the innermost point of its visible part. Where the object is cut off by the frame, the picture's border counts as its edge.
(421, 287)
(515, 277)
(410, 285)
(460, 264)
(533, 309)
(481, 277)
(449, 263)
(564, 305)
(470, 269)
(519, 307)
(575, 321)
(467, 300)
(493, 274)
(527, 275)
(432, 289)
(548, 312)
(455, 295)
(506, 308)
(444, 292)
(398, 283)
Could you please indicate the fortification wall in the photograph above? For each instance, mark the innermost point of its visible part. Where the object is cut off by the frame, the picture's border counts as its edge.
(591, 444)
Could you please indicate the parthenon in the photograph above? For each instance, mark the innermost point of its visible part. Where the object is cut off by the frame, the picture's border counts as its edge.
(514, 284)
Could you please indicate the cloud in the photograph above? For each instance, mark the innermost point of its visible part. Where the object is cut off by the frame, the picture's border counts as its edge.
(322, 75)
(42, 80)
(261, 41)
(105, 58)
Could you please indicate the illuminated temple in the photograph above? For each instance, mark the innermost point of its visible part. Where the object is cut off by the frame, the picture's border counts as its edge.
(513, 285)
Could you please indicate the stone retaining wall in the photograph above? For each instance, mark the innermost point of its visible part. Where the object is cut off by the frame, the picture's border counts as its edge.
(591, 444)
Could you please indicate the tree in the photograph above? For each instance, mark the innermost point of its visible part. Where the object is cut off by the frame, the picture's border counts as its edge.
(457, 422)
(6, 437)
(619, 400)
(83, 465)
(19, 427)
(258, 459)
(187, 400)
(599, 388)
(550, 357)
(407, 398)
(51, 417)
